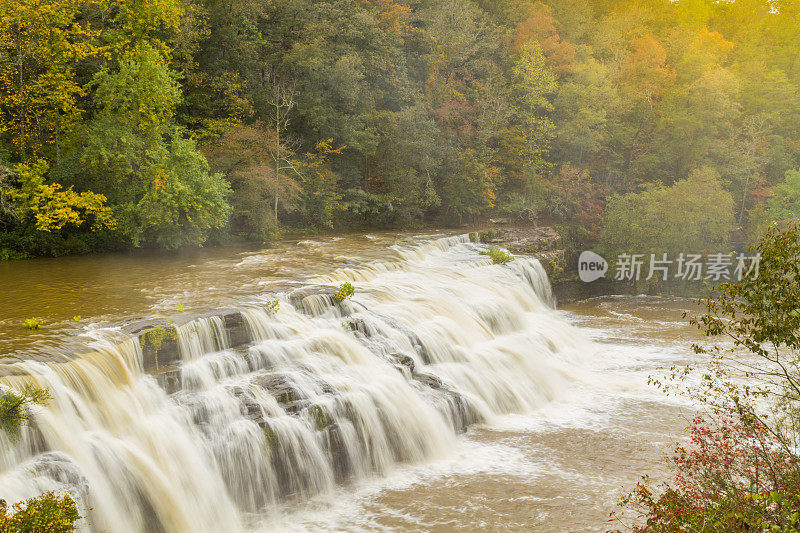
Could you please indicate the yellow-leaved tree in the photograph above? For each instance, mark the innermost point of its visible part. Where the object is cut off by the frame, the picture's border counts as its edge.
(41, 43)
(51, 207)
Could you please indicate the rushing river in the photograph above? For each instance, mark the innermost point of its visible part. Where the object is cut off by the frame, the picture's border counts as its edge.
(446, 394)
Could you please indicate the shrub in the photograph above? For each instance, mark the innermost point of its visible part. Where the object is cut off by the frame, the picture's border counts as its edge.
(735, 476)
(51, 207)
(498, 256)
(50, 512)
(11, 255)
(157, 336)
(741, 471)
(345, 291)
(32, 323)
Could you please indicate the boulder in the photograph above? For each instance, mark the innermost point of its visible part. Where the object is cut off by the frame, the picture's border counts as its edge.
(523, 240)
(159, 342)
(314, 300)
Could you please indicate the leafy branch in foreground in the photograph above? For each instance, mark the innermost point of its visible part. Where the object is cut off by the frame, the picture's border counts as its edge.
(741, 470)
(14, 407)
(50, 512)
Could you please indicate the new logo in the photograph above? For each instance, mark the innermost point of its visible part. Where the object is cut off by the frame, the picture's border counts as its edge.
(591, 266)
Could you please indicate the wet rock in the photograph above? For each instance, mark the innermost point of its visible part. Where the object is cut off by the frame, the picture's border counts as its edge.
(199, 411)
(291, 397)
(574, 290)
(148, 511)
(553, 263)
(236, 328)
(289, 463)
(158, 338)
(394, 439)
(9, 367)
(314, 300)
(460, 411)
(319, 416)
(280, 386)
(546, 245)
(59, 467)
(454, 405)
(255, 360)
(170, 380)
(404, 363)
(428, 380)
(358, 325)
(296, 407)
(159, 342)
(62, 354)
(523, 240)
(413, 338)
(334, 443)
(248, 406)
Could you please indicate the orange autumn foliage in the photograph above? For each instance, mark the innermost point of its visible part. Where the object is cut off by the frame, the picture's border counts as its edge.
(540, 26)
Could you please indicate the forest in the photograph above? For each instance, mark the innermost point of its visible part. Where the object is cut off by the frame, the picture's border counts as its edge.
(172, 123)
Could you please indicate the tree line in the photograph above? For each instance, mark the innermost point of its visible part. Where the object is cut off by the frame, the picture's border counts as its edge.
(166, 123)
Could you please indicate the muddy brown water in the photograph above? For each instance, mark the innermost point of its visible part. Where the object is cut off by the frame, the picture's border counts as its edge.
(559, 467)
(108, 288)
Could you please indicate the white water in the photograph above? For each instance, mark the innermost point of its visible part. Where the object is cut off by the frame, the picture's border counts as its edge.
(432, 341)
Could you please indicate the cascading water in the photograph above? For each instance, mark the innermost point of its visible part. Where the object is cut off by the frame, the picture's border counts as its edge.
(326, 393)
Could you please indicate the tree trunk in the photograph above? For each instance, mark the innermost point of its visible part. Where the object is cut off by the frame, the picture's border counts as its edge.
(58, 137)
(277, 158)
(744, 198)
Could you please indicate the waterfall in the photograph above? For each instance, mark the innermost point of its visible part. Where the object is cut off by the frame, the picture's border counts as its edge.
(435, 339)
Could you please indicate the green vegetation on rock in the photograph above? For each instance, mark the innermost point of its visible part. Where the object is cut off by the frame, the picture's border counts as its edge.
(157, 336)
(33, 323)
(50, 512)
(345, 291)
(272, 306)
(498, 255)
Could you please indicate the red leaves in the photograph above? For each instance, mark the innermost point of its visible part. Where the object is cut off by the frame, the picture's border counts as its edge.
(456, 116)
(735, 474)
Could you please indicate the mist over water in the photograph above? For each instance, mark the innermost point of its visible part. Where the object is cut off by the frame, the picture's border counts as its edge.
(353, 415)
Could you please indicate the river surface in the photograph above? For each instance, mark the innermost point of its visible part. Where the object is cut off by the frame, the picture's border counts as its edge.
(341, 417)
